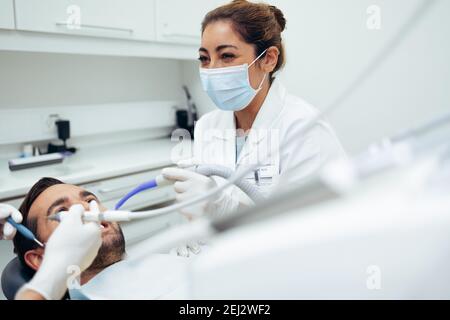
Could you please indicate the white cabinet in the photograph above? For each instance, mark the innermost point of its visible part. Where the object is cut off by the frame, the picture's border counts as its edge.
(6, 14)
(168, 29)
(124, 19)
(179, 21)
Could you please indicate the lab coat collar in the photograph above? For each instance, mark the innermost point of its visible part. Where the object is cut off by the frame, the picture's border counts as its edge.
(227, 127)
(270, 111)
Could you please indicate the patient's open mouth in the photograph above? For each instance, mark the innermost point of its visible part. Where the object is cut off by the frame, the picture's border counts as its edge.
(105, 226)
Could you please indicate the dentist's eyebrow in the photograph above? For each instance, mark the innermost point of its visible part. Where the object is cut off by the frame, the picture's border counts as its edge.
(219, 48)
(58, 202)
(225, 46)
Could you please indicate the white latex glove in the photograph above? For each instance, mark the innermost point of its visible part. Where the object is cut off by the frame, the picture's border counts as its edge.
(73, 243)
(7, 231)
(188, 163)
(189, 184)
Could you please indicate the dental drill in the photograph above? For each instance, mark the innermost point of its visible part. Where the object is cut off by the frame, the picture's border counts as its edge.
(206, 170)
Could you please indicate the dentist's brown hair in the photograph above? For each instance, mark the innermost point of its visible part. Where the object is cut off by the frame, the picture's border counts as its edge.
(258, 24)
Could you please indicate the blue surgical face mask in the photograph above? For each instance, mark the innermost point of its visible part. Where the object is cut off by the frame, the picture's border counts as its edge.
(229, 88)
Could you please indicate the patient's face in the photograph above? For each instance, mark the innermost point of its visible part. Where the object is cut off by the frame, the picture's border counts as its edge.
(60, 198)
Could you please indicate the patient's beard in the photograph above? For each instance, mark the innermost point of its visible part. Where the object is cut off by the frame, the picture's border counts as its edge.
(111, 251)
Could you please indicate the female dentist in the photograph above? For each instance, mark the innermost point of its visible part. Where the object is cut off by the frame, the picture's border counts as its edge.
(240, 54)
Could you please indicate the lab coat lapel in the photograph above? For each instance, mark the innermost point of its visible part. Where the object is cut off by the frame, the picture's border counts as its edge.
(261, 129)
(225, 140)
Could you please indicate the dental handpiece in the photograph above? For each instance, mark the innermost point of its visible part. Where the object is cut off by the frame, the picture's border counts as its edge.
(117, 215)
(88, 216)
(24, 231)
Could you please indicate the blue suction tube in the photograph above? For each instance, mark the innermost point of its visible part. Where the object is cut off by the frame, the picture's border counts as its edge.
(143, 187)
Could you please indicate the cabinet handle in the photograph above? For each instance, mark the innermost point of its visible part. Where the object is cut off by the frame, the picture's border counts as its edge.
(91, 26)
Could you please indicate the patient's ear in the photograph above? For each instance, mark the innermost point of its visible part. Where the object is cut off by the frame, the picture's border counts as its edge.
(33, 258)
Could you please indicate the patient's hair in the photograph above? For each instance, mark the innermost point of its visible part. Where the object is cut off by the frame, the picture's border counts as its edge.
(21, 244)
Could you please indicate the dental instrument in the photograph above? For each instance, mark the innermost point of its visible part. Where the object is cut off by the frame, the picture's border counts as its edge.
(206, 170)
(121, 216)
(159, 181)
(24, 231)
(89, 216)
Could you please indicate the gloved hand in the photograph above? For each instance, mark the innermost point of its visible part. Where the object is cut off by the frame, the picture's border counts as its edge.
(189, 184)
(7, 231)
(73, 243)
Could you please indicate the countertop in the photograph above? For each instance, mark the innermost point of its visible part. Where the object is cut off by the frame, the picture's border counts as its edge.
(90, 164)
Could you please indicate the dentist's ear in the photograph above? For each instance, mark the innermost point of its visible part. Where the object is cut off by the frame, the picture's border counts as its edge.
(33, 258)
(270, 60)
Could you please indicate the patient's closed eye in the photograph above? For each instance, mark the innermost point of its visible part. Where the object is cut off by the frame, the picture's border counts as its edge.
(65, 209)
(62, 209)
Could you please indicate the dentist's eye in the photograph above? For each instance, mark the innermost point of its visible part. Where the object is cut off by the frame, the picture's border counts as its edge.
(228, 56)
(203, 59)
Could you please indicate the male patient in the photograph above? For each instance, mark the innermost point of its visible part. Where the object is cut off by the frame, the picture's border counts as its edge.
(49, 196)
(156, 277)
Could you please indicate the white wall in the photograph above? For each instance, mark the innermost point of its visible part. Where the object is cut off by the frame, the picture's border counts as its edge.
(191, 79)
(40, 79)
(36, 83)
(328, 44)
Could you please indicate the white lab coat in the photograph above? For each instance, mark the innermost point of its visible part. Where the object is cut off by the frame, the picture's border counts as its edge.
(279, 119)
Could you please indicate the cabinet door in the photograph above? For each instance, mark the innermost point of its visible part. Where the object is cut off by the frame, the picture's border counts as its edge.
(126, 19)
(179, 21)
(6, 14)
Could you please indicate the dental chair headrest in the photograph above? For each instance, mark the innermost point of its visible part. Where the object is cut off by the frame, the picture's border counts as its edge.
(14, 276)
